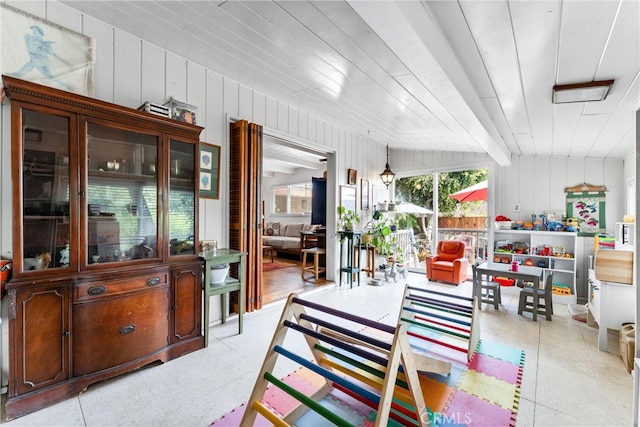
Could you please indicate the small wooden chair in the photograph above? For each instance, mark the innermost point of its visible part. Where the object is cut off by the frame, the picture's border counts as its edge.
(487, 291)
(542, 298)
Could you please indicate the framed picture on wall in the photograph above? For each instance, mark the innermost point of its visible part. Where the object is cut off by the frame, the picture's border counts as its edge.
(352, 176)
(348, 197)
(46, 53)
(364, 194)
(209, 171)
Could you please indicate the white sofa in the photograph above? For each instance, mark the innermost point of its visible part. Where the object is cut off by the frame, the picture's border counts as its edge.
(285, 237)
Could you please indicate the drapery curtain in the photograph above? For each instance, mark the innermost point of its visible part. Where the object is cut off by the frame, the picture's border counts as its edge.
(245, 230)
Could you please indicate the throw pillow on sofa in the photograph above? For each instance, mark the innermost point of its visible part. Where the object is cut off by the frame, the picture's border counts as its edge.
(272, 229)
(293, 230)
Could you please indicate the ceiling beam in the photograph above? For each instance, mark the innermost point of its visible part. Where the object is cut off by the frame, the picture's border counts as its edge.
(416, 38)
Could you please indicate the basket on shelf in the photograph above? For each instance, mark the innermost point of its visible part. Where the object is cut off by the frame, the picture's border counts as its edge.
(504, 225)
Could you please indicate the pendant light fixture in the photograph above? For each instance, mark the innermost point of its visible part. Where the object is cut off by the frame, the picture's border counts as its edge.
(387, 175)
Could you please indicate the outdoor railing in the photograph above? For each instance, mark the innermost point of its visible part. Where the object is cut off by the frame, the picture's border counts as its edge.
(479, 239)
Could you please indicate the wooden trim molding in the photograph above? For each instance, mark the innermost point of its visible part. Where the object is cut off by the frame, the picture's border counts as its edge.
(585, 188)
(22, 90)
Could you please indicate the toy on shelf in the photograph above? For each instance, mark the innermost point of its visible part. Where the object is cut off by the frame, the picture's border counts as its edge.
(561, 289)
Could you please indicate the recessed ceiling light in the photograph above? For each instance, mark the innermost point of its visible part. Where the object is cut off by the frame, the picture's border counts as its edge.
(581, 92)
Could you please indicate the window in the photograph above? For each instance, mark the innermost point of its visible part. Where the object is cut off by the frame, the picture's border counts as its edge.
(292, 199)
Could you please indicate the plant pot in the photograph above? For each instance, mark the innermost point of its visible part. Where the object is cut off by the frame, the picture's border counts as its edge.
(219, 273)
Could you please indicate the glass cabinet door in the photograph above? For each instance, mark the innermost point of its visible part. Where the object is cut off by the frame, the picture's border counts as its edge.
(182, 201)
(45, 191)
(121, 195)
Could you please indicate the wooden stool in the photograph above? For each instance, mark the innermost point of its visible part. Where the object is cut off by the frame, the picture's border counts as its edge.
(269, 250)
(371, 258)
(315, 268)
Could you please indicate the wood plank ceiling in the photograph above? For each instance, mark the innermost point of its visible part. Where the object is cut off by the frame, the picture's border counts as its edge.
(467, 76)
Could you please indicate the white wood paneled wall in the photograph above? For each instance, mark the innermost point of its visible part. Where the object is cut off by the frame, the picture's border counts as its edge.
(129, 71)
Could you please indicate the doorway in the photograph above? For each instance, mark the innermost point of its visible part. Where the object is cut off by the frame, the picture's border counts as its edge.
(456, 214)
(290, 168)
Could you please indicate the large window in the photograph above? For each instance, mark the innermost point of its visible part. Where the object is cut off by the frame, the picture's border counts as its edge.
(291, 199)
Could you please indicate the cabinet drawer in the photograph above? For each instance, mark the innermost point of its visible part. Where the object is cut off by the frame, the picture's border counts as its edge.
(108, 289)
(108, 332)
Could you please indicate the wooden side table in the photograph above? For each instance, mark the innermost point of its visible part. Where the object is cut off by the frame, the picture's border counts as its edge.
(308, 239)
(268, 250)
(222, 256)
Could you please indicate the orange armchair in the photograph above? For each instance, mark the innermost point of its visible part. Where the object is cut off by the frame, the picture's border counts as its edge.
(449, 264)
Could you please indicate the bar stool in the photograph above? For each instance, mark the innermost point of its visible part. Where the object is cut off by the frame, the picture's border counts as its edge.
(315, 268)
(370, 268)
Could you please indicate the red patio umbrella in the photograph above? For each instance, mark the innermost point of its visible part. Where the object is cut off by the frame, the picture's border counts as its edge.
(473, 193)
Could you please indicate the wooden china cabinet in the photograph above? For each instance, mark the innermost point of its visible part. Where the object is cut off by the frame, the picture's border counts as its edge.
(106, 277)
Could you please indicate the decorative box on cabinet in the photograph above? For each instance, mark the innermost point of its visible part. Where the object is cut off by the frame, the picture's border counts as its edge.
(106, 278)
(563, 268)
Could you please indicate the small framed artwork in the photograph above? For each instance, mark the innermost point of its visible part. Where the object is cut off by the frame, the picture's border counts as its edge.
(352, 176)
(364, 194)
(209, 171)
(348, 197)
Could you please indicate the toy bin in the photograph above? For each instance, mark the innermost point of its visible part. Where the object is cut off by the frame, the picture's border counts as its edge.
(578, 312)
(504, 281)
(628, 344)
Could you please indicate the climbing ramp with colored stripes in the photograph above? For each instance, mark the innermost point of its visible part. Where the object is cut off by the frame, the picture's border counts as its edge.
(462, 380)
(378, 372)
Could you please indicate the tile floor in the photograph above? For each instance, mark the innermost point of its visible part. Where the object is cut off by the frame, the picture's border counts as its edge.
(566, 382)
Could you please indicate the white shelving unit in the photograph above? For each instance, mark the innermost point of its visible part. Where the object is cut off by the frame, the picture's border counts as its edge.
(558, 242)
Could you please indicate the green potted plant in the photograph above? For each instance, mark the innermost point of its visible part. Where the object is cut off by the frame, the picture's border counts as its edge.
(377, 232)
(348, 219)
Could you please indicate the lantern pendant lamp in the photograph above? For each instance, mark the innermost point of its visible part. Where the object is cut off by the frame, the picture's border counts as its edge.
(387, 175)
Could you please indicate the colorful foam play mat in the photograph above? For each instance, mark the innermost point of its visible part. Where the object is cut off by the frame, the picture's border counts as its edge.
(429, 369)
(483, 392)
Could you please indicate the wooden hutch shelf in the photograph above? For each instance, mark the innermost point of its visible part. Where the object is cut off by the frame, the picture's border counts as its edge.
(106, 277)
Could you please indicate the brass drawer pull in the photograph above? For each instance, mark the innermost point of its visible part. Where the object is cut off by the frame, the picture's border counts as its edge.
(153, 281)
(96, 290)
(127, 329)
